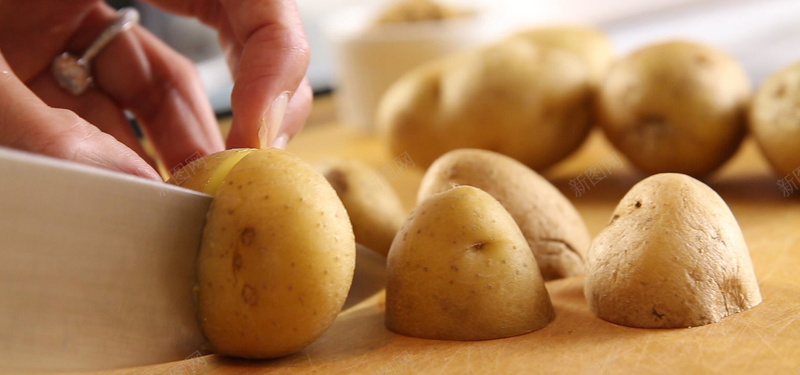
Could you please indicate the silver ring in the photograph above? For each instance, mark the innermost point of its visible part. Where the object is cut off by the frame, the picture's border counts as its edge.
(74, 73)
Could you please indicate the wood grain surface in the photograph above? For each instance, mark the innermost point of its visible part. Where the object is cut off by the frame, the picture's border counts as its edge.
(763, 340)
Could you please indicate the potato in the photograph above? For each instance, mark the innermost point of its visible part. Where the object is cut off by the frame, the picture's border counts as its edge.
(592, 46)
(775, 119)
(277, 254)
(419, 10)
(206, 174)
(530, 102)
(672, 256)
(552, 227)
(675, 107)
(374, 208)
(460, 269)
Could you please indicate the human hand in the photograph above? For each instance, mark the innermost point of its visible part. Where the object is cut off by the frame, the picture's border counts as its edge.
(137, 72)
(268, 53)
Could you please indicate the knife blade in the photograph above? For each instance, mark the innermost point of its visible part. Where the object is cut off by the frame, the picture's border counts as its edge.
(96, 267)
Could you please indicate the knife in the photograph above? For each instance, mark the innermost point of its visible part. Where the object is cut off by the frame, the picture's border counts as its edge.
(97, 267)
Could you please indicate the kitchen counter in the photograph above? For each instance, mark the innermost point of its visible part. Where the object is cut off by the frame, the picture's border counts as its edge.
(765, 339)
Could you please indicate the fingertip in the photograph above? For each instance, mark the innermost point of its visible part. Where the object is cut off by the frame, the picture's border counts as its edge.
(263, 132)
(280, 141)
(298, 111)
(101, 150)
(145, 171)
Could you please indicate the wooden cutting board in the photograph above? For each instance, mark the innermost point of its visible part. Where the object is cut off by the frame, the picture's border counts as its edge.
(765, 339)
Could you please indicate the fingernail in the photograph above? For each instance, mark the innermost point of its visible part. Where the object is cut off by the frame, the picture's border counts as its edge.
(280, 141)
(268, 131)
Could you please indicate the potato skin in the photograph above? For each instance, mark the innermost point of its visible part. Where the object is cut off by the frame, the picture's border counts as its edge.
(775, 119)
(374, 208)
(592, 46)
(276, 260)
(672, 256)
(419, 11)
(553, 228)
(675, 107)
(530, 102)
(460, 269)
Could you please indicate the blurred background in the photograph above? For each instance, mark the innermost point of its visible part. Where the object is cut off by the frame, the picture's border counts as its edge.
(761, 34)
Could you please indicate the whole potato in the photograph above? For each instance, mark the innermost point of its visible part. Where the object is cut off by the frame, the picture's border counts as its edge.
(372, 204)
(592, 46)
(672, 256)
(419, 11)
(460, 269)
(775, 119)
(530, 102)
(277, 254)
(675, 107)
(551, 225)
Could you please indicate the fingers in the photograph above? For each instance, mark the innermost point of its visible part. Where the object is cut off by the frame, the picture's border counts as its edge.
(29, 124)
(137, 72)
(92, 106)
(273, 60)
(161, 88)
(268, 55)
(267, 51)
(32, 32)
(298, 110)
